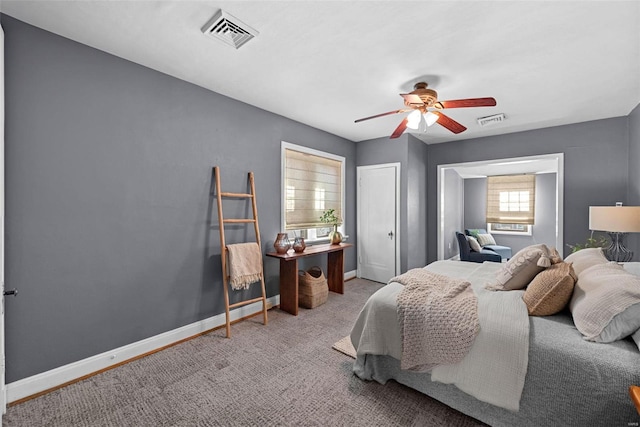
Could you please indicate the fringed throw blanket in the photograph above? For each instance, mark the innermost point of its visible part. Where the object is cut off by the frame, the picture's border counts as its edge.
(245, 265)
(438, 318)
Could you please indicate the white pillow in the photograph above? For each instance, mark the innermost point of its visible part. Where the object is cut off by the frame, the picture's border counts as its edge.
(475, 246)
(606, 303)
(586, 258)
(486, 239)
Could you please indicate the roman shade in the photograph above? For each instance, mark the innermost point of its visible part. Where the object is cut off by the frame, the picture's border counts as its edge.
(511, 199)
(313, 184)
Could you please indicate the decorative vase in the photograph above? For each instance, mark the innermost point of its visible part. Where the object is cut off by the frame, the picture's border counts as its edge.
(282, 243)
(299, 244)
(335, 237)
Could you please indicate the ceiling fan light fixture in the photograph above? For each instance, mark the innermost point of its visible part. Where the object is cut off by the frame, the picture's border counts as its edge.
(413, 119)
(430, 118)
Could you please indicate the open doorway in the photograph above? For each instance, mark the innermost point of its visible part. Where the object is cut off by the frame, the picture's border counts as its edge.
(454, 205)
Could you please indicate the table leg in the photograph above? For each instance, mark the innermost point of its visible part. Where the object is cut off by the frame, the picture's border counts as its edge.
(289, 286)
(335, 271)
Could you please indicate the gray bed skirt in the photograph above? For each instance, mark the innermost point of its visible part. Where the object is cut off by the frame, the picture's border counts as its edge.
(569, 382)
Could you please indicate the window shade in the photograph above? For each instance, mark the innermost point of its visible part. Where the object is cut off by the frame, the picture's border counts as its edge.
(313, 184)
(511, 199)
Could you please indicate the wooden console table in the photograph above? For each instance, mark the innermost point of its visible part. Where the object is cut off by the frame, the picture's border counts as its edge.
(289, 272)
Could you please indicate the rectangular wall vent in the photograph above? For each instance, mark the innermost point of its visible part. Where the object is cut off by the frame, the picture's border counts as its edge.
(490, 120)
(229, 29)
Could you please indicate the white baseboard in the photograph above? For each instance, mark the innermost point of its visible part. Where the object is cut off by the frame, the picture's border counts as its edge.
(56, 377)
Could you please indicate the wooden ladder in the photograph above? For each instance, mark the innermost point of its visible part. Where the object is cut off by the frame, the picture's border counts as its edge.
(223, 246)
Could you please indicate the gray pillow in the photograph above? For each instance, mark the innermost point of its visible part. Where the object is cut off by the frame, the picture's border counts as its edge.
(636, 338)
(521, 269)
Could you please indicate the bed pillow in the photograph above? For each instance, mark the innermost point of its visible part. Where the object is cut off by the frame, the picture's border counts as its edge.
(473, 243)
(555, 256)
(521, 268)
(485, 239)
(606, 303)
(636, 338)
(550, 291)
(586, 258)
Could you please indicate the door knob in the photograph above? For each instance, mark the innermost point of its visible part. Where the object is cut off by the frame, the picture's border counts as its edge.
(13, 292)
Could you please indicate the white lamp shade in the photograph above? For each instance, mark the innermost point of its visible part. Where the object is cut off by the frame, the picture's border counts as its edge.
(616, 219)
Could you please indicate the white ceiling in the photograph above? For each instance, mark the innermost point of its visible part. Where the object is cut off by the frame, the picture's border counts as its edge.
(327, 63)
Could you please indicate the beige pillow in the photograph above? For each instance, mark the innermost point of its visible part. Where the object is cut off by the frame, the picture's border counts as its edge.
(606, 303)
(554, 256)
(521, 268)
(474, 244)
(486, 239)
(550, 291)
(585, 258)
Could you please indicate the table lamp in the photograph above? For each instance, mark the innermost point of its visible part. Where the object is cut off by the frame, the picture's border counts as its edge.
(617, 221)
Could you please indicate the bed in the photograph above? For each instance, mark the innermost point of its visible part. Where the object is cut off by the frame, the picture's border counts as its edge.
(567, 380)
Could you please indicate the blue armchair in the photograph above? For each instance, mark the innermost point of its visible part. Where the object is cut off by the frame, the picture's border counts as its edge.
(466, 254)
(503, 251)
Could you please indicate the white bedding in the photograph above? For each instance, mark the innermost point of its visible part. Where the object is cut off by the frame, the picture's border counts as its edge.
(495, 368)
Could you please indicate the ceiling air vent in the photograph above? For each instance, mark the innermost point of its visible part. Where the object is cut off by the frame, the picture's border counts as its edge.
(490, 120)
(229, 29)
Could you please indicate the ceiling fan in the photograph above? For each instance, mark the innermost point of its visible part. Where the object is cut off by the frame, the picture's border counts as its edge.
(424, 104)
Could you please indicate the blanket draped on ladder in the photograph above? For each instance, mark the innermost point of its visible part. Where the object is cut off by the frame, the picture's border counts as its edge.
(245, 264)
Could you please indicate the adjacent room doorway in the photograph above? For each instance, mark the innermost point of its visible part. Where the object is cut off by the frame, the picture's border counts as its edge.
(378, 205)
(451, 215)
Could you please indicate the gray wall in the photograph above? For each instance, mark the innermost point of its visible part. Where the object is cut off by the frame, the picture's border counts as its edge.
(475, 205)
(110, 233)
(417, 204)
(453, 211)
(411, 153)
(595, 166)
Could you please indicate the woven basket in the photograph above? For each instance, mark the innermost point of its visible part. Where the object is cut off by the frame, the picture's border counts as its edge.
(312, 288)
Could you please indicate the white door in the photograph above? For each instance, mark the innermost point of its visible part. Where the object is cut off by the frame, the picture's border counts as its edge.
(378, 221)
(3, 392)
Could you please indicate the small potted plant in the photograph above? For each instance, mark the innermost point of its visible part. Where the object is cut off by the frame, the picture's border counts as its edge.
(329, 217)
(591, 242)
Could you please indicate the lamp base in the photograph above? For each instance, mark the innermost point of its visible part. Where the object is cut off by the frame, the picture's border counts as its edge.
(616, 251)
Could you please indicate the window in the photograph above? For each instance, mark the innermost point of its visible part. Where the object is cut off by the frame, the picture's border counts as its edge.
(516, 229)
(312, 182)
(511, 203)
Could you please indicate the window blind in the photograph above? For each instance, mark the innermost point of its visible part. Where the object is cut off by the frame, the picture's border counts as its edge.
(511, 199)
(313, 184)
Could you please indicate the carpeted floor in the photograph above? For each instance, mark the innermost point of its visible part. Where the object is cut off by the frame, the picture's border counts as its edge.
(285, 373)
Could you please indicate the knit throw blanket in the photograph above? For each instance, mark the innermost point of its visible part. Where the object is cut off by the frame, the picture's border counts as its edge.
(438, 318)
(245, 265)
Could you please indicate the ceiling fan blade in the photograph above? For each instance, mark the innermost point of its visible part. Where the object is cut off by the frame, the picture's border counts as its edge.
(471, 102)
(388, 113)
(449, 123)
(413, 99)
(400, 129)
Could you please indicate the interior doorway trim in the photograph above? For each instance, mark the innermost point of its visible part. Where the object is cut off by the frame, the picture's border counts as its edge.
(554, 159)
